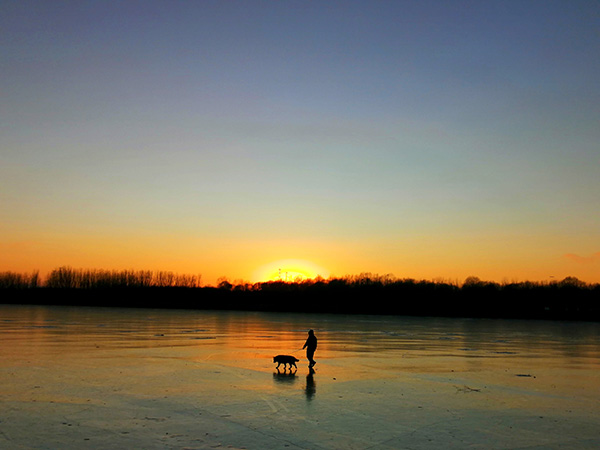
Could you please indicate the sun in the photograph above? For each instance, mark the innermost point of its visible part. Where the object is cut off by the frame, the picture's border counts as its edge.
(290, 270)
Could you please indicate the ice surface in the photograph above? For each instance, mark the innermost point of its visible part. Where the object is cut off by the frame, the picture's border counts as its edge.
(77, 378)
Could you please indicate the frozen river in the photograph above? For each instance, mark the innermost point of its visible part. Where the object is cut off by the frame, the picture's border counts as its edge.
(78, 378)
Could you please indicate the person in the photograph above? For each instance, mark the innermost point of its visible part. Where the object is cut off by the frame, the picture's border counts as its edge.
(310, 345)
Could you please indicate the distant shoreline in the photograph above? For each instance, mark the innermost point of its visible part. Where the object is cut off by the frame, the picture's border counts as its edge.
(568, 299)
(402, 298)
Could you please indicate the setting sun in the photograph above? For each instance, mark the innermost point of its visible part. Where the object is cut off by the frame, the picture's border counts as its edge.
(289, 270)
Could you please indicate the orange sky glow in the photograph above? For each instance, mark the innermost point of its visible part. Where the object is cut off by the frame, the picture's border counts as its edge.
(240, 139)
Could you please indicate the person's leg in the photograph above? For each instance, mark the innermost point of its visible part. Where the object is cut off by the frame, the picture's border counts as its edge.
(309, 356)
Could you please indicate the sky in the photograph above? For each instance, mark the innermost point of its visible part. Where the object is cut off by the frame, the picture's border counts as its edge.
(247, 139)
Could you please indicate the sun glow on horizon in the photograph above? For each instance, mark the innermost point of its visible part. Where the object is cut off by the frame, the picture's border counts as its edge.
(289, 270)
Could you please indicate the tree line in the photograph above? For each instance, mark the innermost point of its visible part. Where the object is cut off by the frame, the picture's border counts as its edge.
(69, 278)
(365, 293)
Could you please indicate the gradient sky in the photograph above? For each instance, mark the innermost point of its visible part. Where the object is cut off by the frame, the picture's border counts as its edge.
(427, 139)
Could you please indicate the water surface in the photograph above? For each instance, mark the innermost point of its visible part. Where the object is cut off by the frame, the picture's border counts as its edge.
(141, 378)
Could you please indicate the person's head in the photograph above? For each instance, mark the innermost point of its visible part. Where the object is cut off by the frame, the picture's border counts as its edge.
(311, 332)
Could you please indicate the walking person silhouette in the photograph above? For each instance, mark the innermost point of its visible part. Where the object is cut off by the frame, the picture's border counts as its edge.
(310, 345)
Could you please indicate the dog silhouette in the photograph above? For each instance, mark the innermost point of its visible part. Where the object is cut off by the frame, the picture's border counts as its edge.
(285, 360)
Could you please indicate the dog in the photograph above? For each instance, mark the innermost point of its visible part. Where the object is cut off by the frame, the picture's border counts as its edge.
(285, 360)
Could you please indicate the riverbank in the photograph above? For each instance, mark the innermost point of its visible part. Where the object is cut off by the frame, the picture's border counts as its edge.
(485, 300)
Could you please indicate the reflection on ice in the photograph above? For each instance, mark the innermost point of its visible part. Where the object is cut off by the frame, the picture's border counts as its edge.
(311, 387)
(172, 379)
(285, 377)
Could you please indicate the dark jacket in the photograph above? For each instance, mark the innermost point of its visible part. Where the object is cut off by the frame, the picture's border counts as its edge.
(311, 343)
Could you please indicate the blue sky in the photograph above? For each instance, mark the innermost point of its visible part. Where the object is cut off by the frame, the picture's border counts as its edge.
(426, 139)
